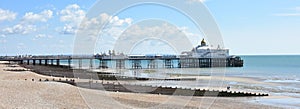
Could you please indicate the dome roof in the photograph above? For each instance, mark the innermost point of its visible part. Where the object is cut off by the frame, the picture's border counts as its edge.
(203, 43)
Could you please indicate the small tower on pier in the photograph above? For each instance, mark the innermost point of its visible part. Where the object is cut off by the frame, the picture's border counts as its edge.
(203, 43)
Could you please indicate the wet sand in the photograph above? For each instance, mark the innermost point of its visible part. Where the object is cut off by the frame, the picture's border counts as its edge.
(18, 93)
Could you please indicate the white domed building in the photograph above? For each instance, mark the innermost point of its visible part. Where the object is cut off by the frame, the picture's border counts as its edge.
(206, 51)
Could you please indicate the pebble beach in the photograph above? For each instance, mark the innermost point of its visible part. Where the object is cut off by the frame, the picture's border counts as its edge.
(16, 92)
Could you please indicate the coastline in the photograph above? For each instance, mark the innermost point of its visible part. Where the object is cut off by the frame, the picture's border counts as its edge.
(54, 95)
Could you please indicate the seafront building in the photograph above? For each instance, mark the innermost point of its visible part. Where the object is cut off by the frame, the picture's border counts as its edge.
(205, 51)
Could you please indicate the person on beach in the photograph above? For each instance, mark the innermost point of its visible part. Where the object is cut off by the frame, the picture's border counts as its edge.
(228, 87)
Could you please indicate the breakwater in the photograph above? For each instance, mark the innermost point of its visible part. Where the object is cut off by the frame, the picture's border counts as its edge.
(111, 83)
(151, 89)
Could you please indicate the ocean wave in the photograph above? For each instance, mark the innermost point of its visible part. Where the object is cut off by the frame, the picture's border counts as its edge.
(291, 103)
(283, 79)
(271, 89)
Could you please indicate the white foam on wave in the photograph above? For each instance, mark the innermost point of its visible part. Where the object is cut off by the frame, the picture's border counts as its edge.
(283, 81)
(282, 102)
(288, 90)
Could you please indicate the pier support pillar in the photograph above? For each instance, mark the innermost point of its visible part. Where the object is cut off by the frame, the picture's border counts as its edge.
(28, 62)
(136, 64)
(51, 61)
(46, 62)
(40, 62)
(69, 63)
(91, 63)
(33, 62)
(103, 64)
(184, 63)
(57, 62)
(168, 63)
(201, 61)
(194, 63)
(120, 64)
(152, 64)
(80, 63)
(210, 62)
(21, 62)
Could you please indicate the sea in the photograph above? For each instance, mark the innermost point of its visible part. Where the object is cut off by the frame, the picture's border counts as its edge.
(277, 75)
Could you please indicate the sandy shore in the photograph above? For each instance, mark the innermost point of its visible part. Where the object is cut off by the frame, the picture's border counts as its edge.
(18, 93)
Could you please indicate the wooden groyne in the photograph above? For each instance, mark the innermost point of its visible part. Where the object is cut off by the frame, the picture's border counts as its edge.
(165, 90)
(152, 89)
(118, 77)
(18, 70)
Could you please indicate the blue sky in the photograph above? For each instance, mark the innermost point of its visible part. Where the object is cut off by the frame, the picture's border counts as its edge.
(248, 27)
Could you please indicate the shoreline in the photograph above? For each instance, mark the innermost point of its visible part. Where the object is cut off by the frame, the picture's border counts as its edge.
(84, 97)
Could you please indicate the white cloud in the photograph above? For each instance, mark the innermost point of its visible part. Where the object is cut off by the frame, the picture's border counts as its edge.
(115, 21)
(72, 14)
(287, 14)
(6, 15)
(69, 29)
(92, 27)
(297, 8)
(290, 14)
(154, 38)
(44, 16)
(197, 1)
(19, 29)
(28, 23)
(193, 37)
(97, 22)
(21, 46)
(75, 19)
(106, 26)
(41, 36)
(3, 40)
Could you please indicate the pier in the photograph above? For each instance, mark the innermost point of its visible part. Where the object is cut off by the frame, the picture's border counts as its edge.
(134, 61)
(202, 56)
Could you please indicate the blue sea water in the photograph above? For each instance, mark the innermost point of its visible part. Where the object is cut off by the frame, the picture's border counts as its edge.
(283, 66)
(278, 75)
(277, 67)
(266, 66)
(281, 71)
